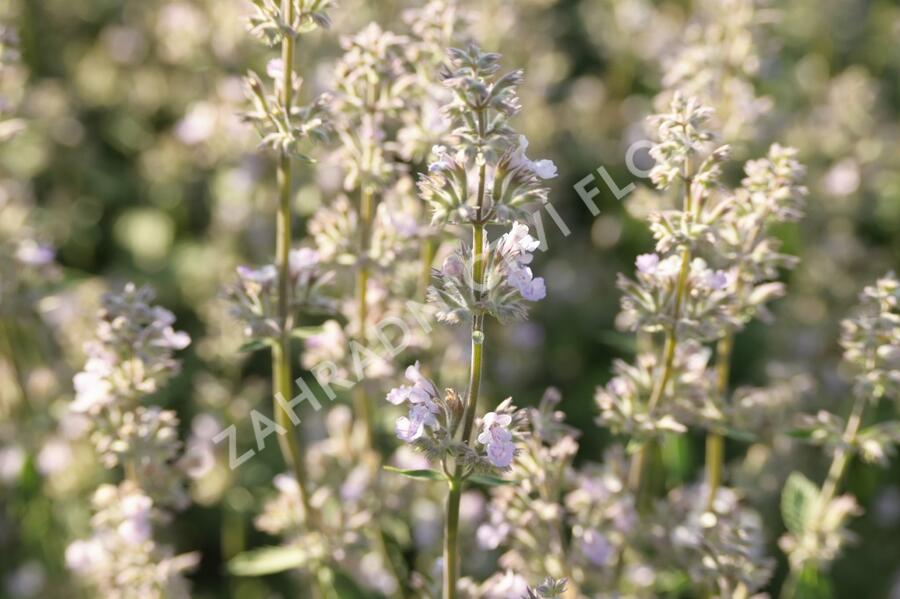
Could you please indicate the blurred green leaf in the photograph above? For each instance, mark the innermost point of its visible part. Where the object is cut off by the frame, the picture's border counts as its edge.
(254, 345)
(798, 499)
(487, 480)
(420, 474)
(267, 560)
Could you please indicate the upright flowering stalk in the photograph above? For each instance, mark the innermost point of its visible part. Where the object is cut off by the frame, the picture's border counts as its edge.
(130, 359)
(675, 294)
(715, 268)
(371, 80)
(816, 518)
(484, 179)
(284, 126)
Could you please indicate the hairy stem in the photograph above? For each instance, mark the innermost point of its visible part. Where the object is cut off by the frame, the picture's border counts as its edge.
(451, 530)
(281, 349)
(715, 444)
(451, 549)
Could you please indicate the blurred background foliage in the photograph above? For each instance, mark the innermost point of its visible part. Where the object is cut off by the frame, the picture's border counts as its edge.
(139, 169)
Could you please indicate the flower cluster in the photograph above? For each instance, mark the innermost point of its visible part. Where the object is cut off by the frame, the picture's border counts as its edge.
(507, 280)
(508, 185)
(433, 419)
(253, 299)
(132, 357)
(647, 303)
(871, 340)
(120, 559)
(271, 24)
(282, 123)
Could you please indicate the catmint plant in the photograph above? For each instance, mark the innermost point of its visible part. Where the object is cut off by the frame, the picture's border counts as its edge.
(482, 178)
(130, 359)
(817, 517)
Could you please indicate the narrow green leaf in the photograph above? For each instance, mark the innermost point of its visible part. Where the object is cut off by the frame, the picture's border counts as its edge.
(305, 332)
(739, 435)
(254, 345)
(420, 474)
(488, 480)
(267, 560)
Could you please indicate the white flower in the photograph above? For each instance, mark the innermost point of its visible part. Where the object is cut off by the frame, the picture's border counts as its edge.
(545, 169)
(302, 260)
(82, 556)
(647, 263)
(497, 439)
(443, 162)
(518, 244)
(32, 253)
(275, 69)
(92, 387)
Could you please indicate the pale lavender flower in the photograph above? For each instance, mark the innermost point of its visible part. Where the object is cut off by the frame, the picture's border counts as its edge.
(498, 439)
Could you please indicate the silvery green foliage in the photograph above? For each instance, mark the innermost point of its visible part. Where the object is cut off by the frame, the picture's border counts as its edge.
(253, 298)
(343, 483)
(130, 358)
(285, 127)
(508, 282)
(434, 418)
(372, 81)
(397, 230)
(271, 25)
(722, 546)
(623, 402)
(482, 138)
(550, 588)
(648, 301)
(121, 559)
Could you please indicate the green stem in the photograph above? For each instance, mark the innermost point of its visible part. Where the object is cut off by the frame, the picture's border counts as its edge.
(281, 349)
(842, 455)
(451, 531)
(360, 397)
(639, 465)
(12, 354)
(715, 444)
(451, 525)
